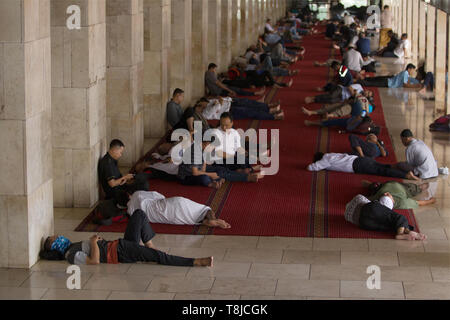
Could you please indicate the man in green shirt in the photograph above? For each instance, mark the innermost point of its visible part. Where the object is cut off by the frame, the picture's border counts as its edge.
(403, 193)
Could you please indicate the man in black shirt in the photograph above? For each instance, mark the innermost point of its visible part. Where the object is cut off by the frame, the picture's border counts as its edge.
(110, 177)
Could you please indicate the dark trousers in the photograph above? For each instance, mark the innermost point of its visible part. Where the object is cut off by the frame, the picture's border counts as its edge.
(263, 79)
(333, 96)
(235, 166)
(369, 149)
(381, 82)
(140, 183)
(238, 91)
(376, 217)
(250, 109)
(370, 166)
(129, 250)
(239, 83)
(222, 171)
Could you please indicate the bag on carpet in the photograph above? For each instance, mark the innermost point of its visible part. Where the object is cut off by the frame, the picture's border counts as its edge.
(107, 212)
(365, 127)
(441, 125)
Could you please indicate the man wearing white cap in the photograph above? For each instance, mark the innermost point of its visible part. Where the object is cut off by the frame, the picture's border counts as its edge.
(353, 59)
(379, 216)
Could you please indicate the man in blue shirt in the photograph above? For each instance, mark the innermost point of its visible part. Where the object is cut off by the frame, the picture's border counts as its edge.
(401, 80)
(363, 44)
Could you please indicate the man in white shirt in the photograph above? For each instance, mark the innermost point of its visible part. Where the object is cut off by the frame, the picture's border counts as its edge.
(403, 47)
(175, 210)
(353, 59)
(348, 19)
(419, 158)
(336, 94)
(386, 26)
(269, 27)
(342, 162)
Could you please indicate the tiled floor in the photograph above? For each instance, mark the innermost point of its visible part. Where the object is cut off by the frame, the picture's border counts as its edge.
(272, 267)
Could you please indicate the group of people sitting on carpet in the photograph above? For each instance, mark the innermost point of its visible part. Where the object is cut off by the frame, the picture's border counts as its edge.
(347, 105)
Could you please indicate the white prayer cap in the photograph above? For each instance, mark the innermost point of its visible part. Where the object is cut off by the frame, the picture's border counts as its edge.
(387, 202)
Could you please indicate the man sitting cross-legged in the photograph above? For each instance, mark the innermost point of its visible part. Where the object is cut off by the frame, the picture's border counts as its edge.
(175, 210)
(127, 250)
(379, 216)
(353, 164)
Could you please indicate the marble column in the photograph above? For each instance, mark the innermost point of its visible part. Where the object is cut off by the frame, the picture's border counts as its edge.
(125, 76)
(236, 28)
(26, 188)
(226, 30)
(244, 25)
(214, 34)
(441, 61)
(415, 30)
(431, 27)
(422, 30)
(405, 17)
(157, 39)
(199, 46)
(181, 48)
(78, 102)
(251, 22)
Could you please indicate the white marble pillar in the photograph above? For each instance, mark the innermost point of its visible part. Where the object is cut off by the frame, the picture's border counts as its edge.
(214, 34)
(199, 46)
(415, 30)
(441, 61)
(431, 27)
(125, 76)
(26, 199)
(78, 102)
(244, 25)
(157, 39)
(251, 22)
(236, 28)
(226, 30)
(422, 30)
(181, 48)
(405, 17)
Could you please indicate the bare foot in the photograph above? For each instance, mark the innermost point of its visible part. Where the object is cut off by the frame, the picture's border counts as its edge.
(411, 176)
(262, 99)
(308, 123)
(289, 84)
(319, 89)
(275, 104)
(204, 262)
(279, 116)
(257, 168)
(306, 111)
(423, 90)
(275, 110)
(217, 223)
(309, 100)
(294, 72)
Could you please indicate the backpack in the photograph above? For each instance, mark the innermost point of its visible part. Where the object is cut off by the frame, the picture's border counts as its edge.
(107, 212)
(441, 125)
(365, 127)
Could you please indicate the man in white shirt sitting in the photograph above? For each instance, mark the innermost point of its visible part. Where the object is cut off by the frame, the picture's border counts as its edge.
(353, 59)
(353, 164)
(419, 158)
(348, 19)
(401, 51)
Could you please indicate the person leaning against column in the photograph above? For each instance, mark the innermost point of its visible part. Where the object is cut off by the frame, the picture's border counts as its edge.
(386, 26)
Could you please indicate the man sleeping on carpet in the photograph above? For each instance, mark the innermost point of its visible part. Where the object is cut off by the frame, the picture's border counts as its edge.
(175, 210)
(379, 216)
(127, 250)
(353, 164)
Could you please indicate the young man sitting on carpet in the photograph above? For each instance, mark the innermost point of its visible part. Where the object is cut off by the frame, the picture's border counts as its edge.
(175, 210)
(403, 193)
(379, 216)
(127, 250)
(198, 172)
(353, 164)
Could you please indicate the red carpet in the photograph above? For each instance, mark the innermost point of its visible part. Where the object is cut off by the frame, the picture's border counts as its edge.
(295, 202)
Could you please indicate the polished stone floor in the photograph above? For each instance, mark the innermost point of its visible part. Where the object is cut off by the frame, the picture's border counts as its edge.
(273, 268)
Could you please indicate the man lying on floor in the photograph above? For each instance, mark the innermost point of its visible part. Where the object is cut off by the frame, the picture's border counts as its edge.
(403, 193)
(401, 80)
(336, 94)
(353, 164)
(175, 210)
(242, 109)
(379, 216)
(127, 250)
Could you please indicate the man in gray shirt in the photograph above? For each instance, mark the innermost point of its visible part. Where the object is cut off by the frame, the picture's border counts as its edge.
(419, 157)
(174, 109)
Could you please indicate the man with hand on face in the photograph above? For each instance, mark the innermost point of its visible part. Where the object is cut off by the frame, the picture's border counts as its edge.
(111, 178)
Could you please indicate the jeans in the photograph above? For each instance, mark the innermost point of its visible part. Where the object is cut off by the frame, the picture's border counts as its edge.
(202, 180)
(376, 217)
(429, 81)
(235, 165)
(389, 54)
(129, 250)
(342, 123)
(370, 166)
(369, 149)
(250, 109)
(375, 82)
(333, 96)
(228, 174)
(238, 91)
(276, 71)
